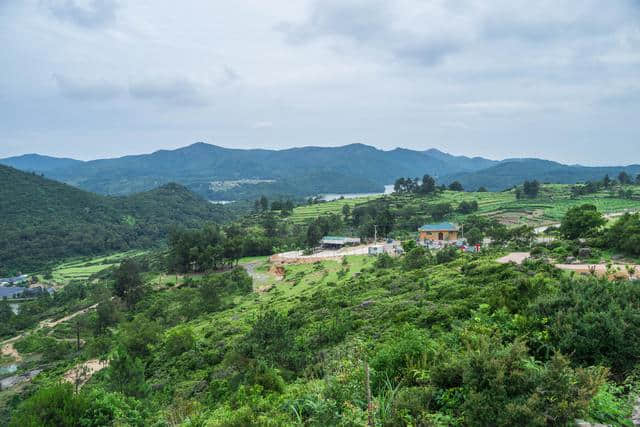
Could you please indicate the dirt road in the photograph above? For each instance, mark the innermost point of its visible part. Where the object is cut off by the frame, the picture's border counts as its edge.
(616, 270)
(7, 348)
(83, 372)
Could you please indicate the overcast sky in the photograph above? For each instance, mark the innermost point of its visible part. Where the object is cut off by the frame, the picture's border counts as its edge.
(102, 78)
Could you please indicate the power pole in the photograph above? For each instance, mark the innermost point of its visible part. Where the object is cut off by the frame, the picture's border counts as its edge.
(367, 386)
(375, 233)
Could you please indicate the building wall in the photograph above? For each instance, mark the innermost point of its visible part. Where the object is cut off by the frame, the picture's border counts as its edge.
(433, 235)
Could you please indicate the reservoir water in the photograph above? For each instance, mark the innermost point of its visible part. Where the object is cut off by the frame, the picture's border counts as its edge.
(388, 189)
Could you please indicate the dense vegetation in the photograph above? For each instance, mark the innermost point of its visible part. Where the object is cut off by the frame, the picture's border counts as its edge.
(455, 340)
(43, 220)
(194, 334)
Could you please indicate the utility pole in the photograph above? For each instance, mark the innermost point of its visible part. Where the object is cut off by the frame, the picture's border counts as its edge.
(375, 233)
(78, 335)
(367, 386)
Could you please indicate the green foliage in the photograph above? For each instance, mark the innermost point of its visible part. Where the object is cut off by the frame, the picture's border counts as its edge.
(416, 258)
(179, 340)
(54, 221)
(384, 260)
(595, 322)
(623, 235)
(53, 406)
(126, 374)
(128, 283)
(581, 221)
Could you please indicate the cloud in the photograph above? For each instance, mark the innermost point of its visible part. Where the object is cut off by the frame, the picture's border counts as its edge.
(178, 92)
(373, 25)
(83, 90)
(84, 13)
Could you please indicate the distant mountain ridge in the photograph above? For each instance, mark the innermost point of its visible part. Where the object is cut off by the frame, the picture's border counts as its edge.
(297, 172)
(512, 172)
(39, 163)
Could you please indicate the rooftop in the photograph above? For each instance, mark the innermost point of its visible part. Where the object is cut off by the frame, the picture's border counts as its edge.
(442, 226)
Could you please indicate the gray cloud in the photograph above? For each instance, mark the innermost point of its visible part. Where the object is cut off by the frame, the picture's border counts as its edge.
(88, 13)
(83, 90)
(370, 24)
(499, 78)
(178, 92)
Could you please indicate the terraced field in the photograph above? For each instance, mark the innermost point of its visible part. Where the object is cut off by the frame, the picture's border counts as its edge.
(550, 206)
(304, 214)
(82, 269)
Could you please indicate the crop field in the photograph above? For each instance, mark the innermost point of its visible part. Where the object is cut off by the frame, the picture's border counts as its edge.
(82, 269)
(304, 214)
(550, 206)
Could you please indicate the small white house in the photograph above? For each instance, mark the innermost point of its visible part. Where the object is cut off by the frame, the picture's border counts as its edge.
(376, 250)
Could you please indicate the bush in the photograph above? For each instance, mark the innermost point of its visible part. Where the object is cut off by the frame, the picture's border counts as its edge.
(179, 340)
(416, 258)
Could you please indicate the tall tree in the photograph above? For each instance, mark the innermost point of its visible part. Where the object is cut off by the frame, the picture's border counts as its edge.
(128, 284)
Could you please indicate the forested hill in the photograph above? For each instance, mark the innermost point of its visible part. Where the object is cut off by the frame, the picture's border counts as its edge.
(511, 172)
(43, 220)
(248, 174)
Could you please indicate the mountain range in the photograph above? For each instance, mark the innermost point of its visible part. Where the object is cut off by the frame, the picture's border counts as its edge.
(219, 173)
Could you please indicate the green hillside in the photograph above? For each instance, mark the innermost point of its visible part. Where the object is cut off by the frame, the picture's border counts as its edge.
(514, 172)
(43, 220)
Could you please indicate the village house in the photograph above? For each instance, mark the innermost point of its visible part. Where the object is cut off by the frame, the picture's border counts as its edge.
(338, 242)
(442, 232)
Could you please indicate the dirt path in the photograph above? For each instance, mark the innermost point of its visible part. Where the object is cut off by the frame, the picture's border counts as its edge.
(617, 270)
(83, 372)
(48, 323)
(9, 350)
(517, 257)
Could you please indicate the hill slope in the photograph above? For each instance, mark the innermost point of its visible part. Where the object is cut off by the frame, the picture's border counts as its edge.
(43, 220)
(512, 172)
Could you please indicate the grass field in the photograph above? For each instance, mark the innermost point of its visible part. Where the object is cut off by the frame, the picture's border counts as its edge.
(82, 269)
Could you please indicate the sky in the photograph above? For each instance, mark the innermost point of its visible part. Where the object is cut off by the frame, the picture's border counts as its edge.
(553, 79)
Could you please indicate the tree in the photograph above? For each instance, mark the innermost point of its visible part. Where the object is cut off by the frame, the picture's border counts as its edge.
(440, 211)
(314, 234)
(346, 210)
(482, 189)
(107, 315)
(531, 189)
(126, 374)
(428, 185)
(624, 178)
(415, 258)
(473, 236)
(264, 203)
(606, 181)
(128, 284)
(638, 179)
(456, 186)
(581, 221)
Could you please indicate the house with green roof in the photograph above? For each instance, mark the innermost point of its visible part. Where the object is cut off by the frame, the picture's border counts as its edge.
(441, 232)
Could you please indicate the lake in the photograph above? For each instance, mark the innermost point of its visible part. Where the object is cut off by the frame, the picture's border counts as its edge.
(388, 189)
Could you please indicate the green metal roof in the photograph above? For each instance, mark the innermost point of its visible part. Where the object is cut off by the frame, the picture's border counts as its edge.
(442, 226)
